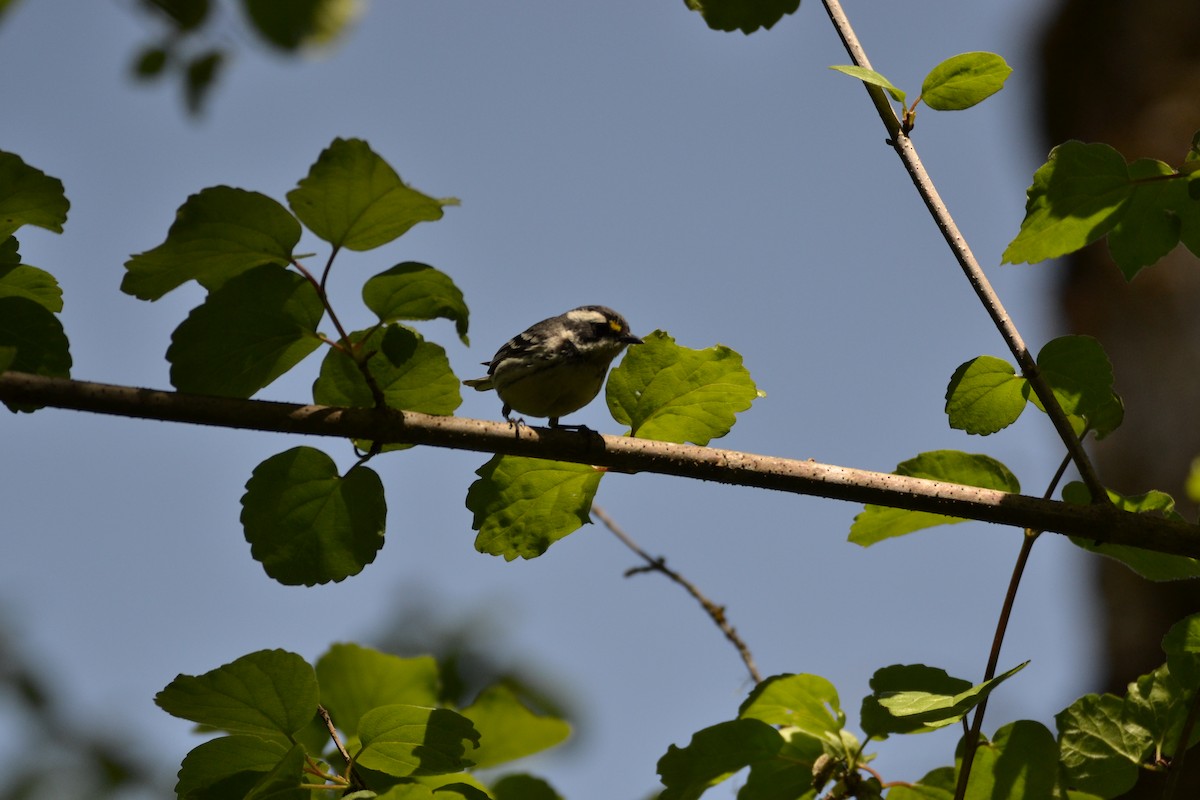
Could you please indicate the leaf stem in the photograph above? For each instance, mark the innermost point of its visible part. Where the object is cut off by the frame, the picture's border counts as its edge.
(966, 258)
(347, 347)
(714, 611)
(352, 778)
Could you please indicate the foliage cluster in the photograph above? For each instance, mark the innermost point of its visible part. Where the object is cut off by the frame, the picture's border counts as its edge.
(366, 724)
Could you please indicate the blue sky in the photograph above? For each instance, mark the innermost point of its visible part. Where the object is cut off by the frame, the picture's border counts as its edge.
(724, 188)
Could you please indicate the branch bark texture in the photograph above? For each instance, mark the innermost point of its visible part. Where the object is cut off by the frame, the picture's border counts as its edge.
(1098, 522)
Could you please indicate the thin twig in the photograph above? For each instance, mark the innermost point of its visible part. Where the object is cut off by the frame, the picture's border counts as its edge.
(341, 748)
(714, 611)
(971, 740)
(966, 259)
(1101, 523)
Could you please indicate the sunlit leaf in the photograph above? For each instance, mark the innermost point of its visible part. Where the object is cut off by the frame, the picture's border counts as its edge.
(876, 523)
(509, 729)
(806, 702)
(521, 506)
(20, 280)
(1147, 563)
(1081, 377)
(355, 679)
(269, 694)
(985, 395)
(913, 698)
(404, 740)
(352, 198)
(675, 394)
(1019, 763)
(714, 754)
(962, 81)
(872, 77)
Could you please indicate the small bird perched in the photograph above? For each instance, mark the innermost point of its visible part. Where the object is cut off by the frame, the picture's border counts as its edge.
(558, 365)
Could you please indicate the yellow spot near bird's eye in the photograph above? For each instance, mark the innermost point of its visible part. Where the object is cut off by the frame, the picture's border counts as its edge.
(616, 326)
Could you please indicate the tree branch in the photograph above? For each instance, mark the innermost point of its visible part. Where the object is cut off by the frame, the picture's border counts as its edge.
(715, 612)
(1099, 522)
(966, 259)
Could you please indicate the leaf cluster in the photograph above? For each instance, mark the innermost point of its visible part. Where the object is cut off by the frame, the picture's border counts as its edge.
(358, 720)
(791, 739)
(191, 45)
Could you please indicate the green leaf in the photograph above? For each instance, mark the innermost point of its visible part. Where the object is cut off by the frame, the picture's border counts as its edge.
(509, 729)
(985, 395)
(876, 523)
(1148, 564)
(872, 77)
(306, 524)
(246, 334)
(8, 355)
(1182, 646)
(1081, 377)
(356, 679)
(285, 782)
(270, 694)
(917, 698)
(714, 754)
(523, 787)
(184, 15)
(300, 23)
(217, 234)
(808, 703)
(413, 374)
(1020, 763)
(524, 505)
(19, 280)
(29, 196)
(150, 63)
(1099, 748)
(962, 81)
(200, 77)
(9, 252)
(920, 791)
(416, 291)
(790, 772)
(352, 198)
(1073, 201)
(675, 394)
(1087, 191)
(1149, 226)
(403, 740)
(744, 15)
(447, 791)
(228, 766)
(36, 336)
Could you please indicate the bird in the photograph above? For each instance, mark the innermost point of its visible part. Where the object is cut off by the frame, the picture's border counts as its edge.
(556, 366)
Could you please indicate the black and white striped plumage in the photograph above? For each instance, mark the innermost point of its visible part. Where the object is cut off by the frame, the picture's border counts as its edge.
(558, 365)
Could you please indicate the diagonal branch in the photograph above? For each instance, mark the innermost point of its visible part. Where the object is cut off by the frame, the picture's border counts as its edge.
(966, 259)
(1098, 522)
(715, 612)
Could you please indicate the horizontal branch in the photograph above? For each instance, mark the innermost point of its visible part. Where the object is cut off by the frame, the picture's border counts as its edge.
(1099, 522)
